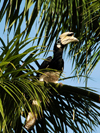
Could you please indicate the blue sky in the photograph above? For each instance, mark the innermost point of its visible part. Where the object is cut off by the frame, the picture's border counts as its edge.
(93, 81)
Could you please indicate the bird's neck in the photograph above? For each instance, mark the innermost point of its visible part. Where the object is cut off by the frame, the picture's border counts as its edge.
(58, 53)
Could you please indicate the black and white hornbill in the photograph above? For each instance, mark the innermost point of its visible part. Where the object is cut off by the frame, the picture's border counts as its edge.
(56, 63)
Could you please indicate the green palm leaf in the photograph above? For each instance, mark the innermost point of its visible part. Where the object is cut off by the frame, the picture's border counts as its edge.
(59, 114)
(18, 84)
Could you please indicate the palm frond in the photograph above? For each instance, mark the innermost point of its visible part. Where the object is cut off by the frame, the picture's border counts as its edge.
(69, 107)
(16, 82)
(70, 101)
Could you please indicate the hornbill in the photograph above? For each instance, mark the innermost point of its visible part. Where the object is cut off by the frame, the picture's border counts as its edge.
(56, 63)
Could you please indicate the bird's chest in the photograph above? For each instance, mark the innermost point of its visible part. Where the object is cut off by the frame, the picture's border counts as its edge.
(50, 76)
(57, 64)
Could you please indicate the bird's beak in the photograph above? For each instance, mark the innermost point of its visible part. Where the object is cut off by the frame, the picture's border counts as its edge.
(67, 37)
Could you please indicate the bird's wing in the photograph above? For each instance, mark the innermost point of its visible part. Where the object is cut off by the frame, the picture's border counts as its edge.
(45, 63)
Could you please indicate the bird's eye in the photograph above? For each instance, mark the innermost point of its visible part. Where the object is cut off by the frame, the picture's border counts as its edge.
(58, 41)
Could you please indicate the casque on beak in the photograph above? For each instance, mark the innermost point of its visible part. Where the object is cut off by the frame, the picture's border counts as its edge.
(67, 37)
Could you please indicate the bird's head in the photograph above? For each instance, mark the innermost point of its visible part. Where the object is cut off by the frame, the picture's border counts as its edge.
(65, 38)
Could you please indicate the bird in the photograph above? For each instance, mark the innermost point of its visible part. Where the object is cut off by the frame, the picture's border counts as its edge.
(51, 69)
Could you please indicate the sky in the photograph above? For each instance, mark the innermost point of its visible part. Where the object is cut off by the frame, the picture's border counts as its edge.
(93, 81)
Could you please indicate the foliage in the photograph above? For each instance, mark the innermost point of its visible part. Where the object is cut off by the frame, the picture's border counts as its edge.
(80, 16)
(16, 80)
(18, 83)
(70, 107)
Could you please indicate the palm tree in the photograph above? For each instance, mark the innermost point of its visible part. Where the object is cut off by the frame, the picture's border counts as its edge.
(62, 106)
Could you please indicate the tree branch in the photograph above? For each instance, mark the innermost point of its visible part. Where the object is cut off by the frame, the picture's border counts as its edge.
(63, 89)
